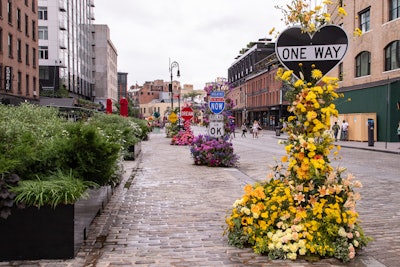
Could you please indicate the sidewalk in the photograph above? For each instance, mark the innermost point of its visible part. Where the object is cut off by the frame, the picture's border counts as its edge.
(387, 147)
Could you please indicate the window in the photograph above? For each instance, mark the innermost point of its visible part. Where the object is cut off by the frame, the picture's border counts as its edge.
(1, 9)
(363, 64)
(9, 11)
(26, 25)
(365, 20)
(43, 52)
(10, 46)
(1, 39)
(19, 19)
(26, 2)
(27, 84)
(27, 54)
(33, 30)
(44, 73)
(43, 33)
(42, 12)
(33, 6)
(19, 77)
(394, 9)
(19, 53)
(340, 68)
(34, 84)
(392, 56)
(34, 57)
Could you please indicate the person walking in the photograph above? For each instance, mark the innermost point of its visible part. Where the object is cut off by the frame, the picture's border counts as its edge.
(398, 132)
(345, 131)
(244, 129)
(335, 129)
(255, 129)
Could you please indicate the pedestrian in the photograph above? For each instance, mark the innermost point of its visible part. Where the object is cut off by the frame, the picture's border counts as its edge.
(244, 129)
(345, 131)
(398, 131)
(335, 129)
(233, 127)
(255, 129)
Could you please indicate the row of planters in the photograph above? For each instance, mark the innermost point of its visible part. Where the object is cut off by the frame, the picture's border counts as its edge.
(56, 176)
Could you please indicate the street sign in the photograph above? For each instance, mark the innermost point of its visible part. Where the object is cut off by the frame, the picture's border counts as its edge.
(216, 129)
(299, 51)
(187, 113)
(216, 117)
(172, 117)
(217, 101)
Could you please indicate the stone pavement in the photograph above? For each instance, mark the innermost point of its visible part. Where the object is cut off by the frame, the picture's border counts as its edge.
(169, 212)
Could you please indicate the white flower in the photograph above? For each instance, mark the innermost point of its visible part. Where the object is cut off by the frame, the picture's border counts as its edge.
(342, 232)
(291, 256)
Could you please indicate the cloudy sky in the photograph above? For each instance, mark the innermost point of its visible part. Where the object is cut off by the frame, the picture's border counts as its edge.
(203, 36)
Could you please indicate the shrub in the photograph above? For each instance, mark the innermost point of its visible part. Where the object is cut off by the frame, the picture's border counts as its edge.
(213, 152)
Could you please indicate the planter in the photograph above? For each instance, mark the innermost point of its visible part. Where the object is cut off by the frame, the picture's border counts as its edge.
(50, 233)
(133, 151)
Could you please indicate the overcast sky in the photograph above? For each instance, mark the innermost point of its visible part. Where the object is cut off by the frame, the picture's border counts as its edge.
(203, 36)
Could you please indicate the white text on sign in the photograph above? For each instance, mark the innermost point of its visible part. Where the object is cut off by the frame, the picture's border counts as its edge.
(217, 106)
(312, 52)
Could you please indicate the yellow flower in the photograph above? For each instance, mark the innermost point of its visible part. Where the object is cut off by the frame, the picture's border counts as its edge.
(286, 75)
(284, 159)
(271, 31)
(342, 12)
(316, 74)
(357, 32)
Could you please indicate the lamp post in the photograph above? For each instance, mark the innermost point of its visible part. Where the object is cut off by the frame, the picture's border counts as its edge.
(173, 65)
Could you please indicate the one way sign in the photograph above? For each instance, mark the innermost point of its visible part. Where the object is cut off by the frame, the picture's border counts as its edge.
(216, 129)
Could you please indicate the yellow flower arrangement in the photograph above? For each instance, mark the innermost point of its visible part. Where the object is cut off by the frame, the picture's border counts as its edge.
(307, 208)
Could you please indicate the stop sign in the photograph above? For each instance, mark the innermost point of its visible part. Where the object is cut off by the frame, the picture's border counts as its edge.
(187, 113)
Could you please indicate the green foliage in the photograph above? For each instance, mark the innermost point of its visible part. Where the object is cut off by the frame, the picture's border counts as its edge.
(40, 147)
(118, 129)
(90, 154)
(25, 133)
(58, 188)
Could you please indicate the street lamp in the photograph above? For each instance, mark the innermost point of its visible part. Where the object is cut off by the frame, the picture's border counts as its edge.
(173, 65)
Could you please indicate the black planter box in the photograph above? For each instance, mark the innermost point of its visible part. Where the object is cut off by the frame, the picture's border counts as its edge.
(50, 233)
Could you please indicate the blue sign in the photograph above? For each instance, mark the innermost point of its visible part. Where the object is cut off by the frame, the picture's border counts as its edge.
(216, 101)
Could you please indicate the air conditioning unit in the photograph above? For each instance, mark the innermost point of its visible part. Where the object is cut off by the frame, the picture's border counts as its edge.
(34, 93)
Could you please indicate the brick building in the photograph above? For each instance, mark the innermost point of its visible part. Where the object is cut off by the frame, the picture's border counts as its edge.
(19, 69)
(370, 71)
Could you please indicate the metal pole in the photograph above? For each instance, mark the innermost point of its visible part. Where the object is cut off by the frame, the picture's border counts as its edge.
(172, 93)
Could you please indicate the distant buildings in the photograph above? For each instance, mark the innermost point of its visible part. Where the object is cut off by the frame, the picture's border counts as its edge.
(105, 67)
(66, 47)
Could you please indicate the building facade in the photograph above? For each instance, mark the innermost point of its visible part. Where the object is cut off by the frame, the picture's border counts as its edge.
(105, 67)
(66, 47)
(256, 93)
(370, 71)
(122, 85)
(19, 69)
